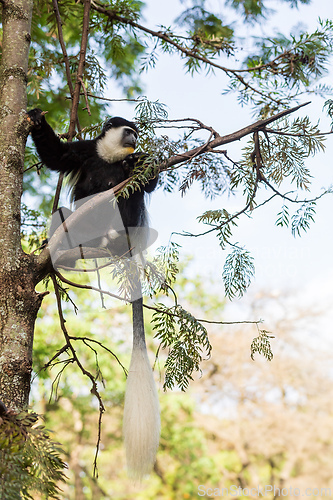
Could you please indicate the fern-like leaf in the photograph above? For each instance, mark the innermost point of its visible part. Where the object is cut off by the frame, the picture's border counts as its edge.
(301, 220)
(261, 345)
(238, 271)
(187, 341)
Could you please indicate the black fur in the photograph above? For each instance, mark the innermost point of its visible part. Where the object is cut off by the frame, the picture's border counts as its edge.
(91, 173)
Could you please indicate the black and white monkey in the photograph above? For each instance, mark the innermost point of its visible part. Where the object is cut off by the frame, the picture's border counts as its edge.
(94, 166)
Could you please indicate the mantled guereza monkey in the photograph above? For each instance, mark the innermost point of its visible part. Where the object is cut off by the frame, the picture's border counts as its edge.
(94, 166)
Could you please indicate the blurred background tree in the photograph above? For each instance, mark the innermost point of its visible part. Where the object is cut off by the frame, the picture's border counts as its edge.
(242, 424)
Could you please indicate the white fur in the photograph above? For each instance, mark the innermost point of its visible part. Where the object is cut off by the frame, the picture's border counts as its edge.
(141, 425)
(110, 146)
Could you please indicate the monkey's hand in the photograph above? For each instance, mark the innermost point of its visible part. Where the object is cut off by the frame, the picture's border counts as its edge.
(139, 157)
(138, 163)
(36, 117)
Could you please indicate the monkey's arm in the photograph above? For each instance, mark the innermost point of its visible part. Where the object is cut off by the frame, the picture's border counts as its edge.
(55, 154)
(50, 148)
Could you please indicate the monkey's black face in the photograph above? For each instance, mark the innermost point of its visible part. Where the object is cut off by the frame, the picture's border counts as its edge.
(117, 140)
(129, 138)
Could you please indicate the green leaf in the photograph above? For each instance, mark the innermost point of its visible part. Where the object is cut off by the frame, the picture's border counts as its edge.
(238, 271)
(283, 217)
(301, 220)
(30, 462)
(261, 345)
(187, 341)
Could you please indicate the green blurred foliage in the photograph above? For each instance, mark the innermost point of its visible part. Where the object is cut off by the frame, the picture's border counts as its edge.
(260, 433)
(30, 462)
(62, 394)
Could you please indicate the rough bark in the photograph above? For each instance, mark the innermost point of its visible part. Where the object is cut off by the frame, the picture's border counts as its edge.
(19, 302)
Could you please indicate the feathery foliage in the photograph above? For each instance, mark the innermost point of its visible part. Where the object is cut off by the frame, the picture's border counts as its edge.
(261, 345)
(238, 271)
(186, 340)
(30, 462)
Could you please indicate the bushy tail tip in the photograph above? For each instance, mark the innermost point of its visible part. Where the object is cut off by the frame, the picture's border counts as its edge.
(141, 425)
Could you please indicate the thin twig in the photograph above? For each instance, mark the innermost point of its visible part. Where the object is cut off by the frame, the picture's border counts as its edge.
(85, 96)
(87, 339)
(80, 69)
(232, 217)
(57, 193)
(82, 270)
(311, 200)
(94, 389)
(71, 90)
(290, 134)
(63, 47)
(38, 165)
(56, 381)
(50, 362)
(99, 284)
(89, 94)
(75, 93)
(175, 315)
(96, 268)
(99, 438)
(88, 287)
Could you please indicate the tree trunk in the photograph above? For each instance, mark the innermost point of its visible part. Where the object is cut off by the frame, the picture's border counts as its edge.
(19, 302)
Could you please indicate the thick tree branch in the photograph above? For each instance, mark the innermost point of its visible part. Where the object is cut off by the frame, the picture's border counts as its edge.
(19, 302)
(226, 139)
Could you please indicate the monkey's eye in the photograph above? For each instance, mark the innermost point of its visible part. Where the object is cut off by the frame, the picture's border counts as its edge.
(130, 131)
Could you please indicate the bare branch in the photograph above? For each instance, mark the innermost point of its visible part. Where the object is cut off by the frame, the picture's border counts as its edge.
(75, 93)
(63, 47)
(87, 339)
(114, 100)
(226, 139)
(289, 134)
(82, 59)
(82, 270)
(57, 193)
(85, 96)
(169, 313)
(94, 389)
(292, 200)
(50, 362)
(88, 287)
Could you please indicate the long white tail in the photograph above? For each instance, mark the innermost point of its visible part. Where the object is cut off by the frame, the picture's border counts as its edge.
(141, 425)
